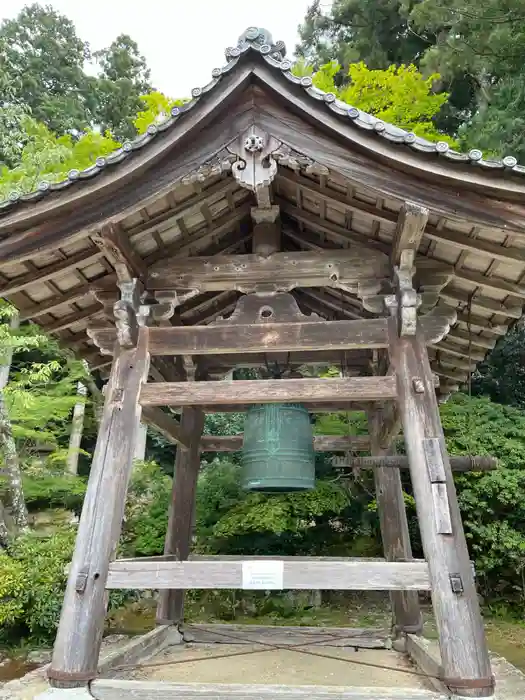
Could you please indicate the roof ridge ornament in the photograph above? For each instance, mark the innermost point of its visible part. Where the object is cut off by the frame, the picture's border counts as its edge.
(260, 39)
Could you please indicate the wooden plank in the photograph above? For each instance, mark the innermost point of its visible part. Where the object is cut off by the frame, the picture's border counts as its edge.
(138, 649)
(458, 617)
(73, 318)
(284, 636)
(301, 575)
(268, 391)
(79, 636)
(170, 428)
(409, 230)
(282, 271)
(170, 607)
(104, 689)
(58, 300)
(394, 528)
(322, 443)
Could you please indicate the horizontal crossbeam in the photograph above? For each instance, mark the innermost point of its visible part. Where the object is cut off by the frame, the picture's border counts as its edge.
(283, 271)
(260, 337)
(322, 443)
(308, 573)
(268, 391)
(458, 464)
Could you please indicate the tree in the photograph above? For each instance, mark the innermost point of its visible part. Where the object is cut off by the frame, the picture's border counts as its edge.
(43, 58)
(123, 79)
(399, 95)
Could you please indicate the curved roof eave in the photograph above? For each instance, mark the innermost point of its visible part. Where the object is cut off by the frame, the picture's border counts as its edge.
(382, 141)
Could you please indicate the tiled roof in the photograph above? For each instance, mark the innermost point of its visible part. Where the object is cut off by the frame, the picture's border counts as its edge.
(260, 41)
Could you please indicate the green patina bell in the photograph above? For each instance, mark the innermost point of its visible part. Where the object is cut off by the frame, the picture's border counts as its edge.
(278, 451)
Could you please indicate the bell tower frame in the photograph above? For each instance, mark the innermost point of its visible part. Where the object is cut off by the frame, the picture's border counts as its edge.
(264, 221)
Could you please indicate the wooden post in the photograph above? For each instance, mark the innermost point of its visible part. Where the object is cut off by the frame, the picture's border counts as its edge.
(77, 427)
(79, 636)
(139, 453)
(178, 536)
(466, 663)
(394, 530)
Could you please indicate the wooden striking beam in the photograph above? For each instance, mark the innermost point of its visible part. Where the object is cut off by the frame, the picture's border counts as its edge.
(53, 271)
(268, 391)
(409, 230)
(322, 443)
(166, 426)
(458, 464)
(283, 271)
(308, 573)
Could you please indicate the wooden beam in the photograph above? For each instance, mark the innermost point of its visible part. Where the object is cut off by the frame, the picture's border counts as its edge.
(268, 391)
(466, 338)
(263, 337)
(466, 463)
(79, 636)
(495, 283)
(481, 323)
(170, 607)
(283, 271)
(166, 426)
(117, 245)
(51, 272)
(73, 318)
(322, 443)
(305, 574)
(393, 522)
(115, 689)
(454, 595)
(450, 294)
(55, 302)
(409, 230)
(338, 233)
(478, 246)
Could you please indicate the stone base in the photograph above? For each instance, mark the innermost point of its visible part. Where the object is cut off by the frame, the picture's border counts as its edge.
(65, 694)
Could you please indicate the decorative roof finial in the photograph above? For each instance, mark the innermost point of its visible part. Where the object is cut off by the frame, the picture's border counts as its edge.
(260, 39)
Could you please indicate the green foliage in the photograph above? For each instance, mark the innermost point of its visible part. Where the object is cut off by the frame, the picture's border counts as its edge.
(54, 491)
(399, 95)
(46, 157)
(156, 107)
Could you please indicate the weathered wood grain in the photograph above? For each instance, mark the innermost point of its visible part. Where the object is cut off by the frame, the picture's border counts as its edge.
(406, 613)
(311, 575)
(425, 656)
(282, 271)
(79, 636)
(168, 427)
(322, 443)
(466, 463)
(170, 607)
(268, 391)
(409, 230)
(460, 626)
(103, 689)
(259, 634)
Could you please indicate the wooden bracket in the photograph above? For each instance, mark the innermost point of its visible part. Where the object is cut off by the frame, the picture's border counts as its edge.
(254, 168)
(266, 308)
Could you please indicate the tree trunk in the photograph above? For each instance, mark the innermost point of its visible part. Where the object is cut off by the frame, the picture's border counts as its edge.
(8, 446)
(77, 427)
(4, 531)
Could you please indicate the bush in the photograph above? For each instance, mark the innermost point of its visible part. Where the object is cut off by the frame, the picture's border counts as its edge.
(54, 491)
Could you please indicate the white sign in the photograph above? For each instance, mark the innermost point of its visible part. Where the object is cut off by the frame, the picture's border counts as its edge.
(262, 575)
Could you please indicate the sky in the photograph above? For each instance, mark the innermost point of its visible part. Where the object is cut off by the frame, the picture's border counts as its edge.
(182, 40)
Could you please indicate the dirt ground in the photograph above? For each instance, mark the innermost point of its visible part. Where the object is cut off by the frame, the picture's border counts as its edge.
(284, 667)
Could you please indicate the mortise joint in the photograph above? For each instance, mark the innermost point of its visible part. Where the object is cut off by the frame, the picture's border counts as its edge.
(418, 385)
(456, 583)
(81, 580)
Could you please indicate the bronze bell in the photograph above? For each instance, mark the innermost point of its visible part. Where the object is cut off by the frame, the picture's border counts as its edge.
(278, 451)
